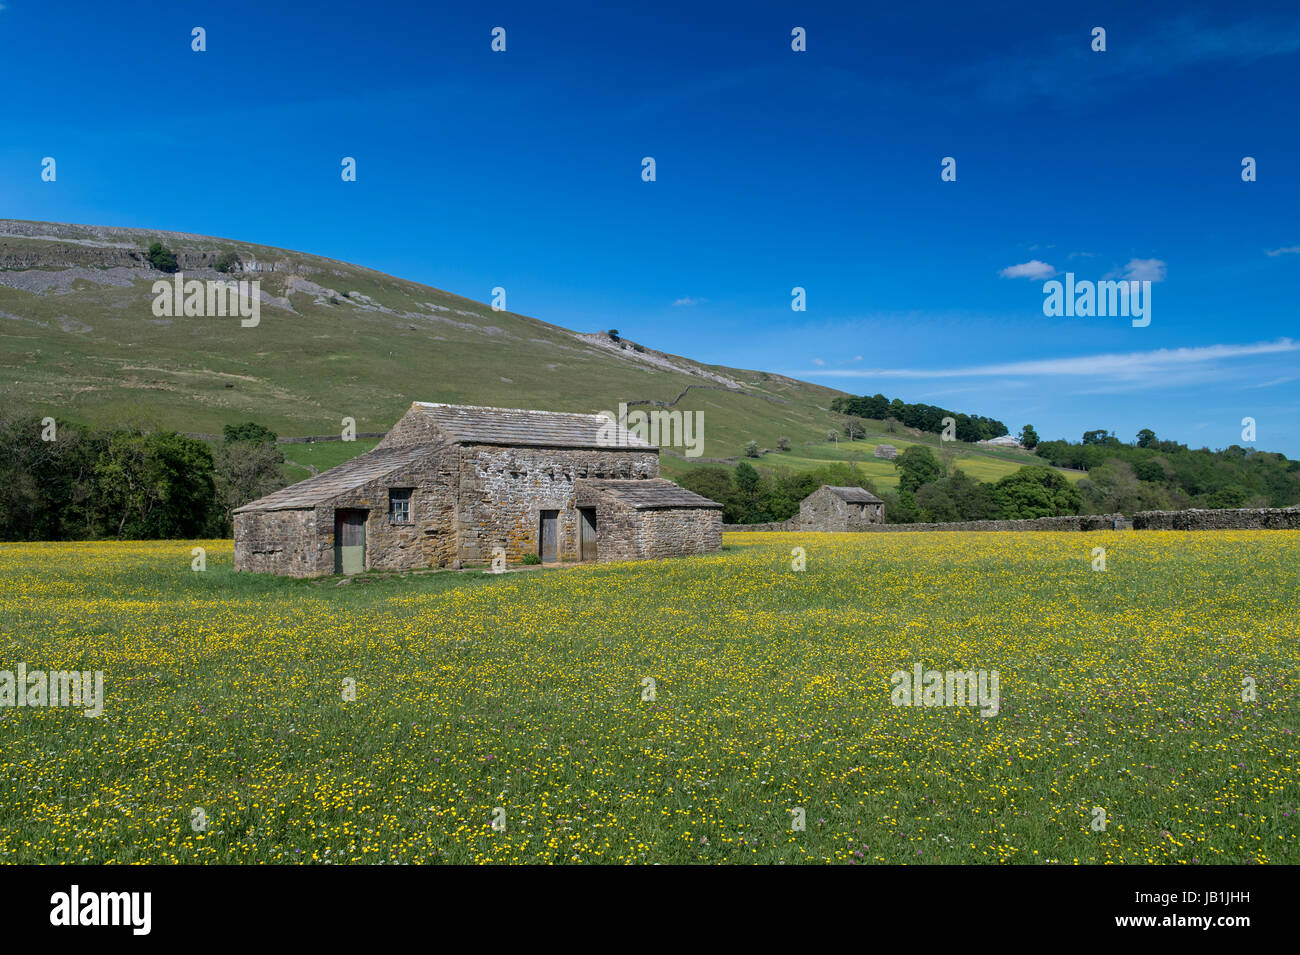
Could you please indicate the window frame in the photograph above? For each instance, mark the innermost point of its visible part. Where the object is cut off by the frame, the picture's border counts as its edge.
(405, 496)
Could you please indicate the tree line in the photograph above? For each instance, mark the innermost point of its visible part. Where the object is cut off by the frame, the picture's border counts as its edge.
(928, 490)
(63, 481)
(1151, 474)
(923, 417)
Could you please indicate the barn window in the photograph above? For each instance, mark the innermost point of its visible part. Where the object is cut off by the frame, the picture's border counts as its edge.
(399, 505)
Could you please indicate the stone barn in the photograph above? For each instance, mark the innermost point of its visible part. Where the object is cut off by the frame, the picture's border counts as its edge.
(839, 509)
(449, 484)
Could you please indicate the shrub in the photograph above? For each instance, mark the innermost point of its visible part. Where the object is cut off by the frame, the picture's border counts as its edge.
(161, 257)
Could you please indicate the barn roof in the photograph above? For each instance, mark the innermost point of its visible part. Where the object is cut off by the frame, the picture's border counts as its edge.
(853, 495)
(649, 494)
(350, 474)
(471, 424)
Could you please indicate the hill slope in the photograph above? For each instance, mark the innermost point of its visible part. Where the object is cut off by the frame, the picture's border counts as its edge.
(80, 340)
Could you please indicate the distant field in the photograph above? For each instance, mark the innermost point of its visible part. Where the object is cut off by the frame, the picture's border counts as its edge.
(526, 693)
(976, 461)
(323, 455)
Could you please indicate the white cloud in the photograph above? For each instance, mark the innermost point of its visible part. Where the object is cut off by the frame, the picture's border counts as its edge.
(1141, 270)
(857, 358)
(1148, 365)
(819, 363)
(1288, 250)
(1033, 269)
(687, 300)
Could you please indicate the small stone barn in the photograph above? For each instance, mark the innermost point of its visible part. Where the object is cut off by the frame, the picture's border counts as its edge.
(839, 509)
(449, 484)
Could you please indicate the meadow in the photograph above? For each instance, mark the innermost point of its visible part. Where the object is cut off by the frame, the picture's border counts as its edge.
(527, 693)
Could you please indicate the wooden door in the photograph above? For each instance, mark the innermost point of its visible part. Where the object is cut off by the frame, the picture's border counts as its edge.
(550, 537)
(349, 541)
(587, 533)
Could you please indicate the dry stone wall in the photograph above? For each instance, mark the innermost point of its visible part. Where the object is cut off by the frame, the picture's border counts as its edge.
(277, 542)
(677, 531)
(1245, 518)
(1078, 522)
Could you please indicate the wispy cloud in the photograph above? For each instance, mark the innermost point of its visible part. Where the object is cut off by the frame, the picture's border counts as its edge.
(1148, 365)
(1140, 270)
(687, 300)
(1288, 250)
(1033, 269)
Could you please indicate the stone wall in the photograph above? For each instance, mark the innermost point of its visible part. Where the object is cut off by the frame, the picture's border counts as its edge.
(502, 491)
(414, 427)
(674, 532)
(278, 542)
(300, 543)
(1245, 518)
(428, 541)
(618, 527)
(789, 525)
(1079, 522)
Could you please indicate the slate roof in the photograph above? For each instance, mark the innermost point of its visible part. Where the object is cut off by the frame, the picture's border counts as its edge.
(470, 424)
(853, 495)
(649, 494)
(350, 474)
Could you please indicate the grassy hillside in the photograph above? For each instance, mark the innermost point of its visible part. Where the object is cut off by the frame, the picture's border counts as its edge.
(80, 341)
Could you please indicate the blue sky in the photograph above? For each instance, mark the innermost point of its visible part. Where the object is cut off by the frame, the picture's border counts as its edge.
(775, 169)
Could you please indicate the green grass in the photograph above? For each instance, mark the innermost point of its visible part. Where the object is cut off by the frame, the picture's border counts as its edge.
(323, 455)
(527, 692)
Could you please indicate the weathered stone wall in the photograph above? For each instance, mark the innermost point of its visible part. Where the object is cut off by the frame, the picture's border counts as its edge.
(1079, 522)
(503, 490)
(428, 541)
(300, 543)
(674, 532)
(278, 542)
(1245, 518)
(1073, 522)
(790, 525)
(414, 427)
(618, 527)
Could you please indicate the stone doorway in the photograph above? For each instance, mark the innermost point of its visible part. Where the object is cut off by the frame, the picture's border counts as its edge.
(586, 533)
(349, 541)
(549, 538)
